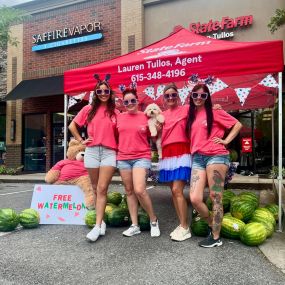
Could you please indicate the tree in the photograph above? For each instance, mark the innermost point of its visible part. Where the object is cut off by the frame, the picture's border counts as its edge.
(277, 20)
(8, 16)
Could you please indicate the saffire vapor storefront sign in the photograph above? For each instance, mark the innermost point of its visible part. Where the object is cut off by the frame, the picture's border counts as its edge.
(221, 29)
(67, 36)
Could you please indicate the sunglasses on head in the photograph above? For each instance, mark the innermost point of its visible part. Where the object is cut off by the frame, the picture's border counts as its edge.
(130, 102)
(170, 96)
(202, 96)
(103, 91)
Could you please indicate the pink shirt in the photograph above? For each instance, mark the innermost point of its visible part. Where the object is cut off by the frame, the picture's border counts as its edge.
(101, 129)
(70, 169)
(133, 136)
(173, 130)
(199, 141)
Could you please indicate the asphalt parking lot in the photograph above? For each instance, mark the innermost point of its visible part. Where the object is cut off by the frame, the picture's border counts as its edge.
(53, 254)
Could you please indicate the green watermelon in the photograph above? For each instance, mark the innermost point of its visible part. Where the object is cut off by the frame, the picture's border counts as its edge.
(274, 209)
(268, 226)
(199, 227)
(29, 218)
(228, 214)
(144, 221)
(109, 208)
(264, 214)
(253, 234)
(114, 198)
(119, 217)
(234, 198)
(90, 218)
(9, 220)
(231, 227)
(124, 203)
(242, 210)
(227, 196)
(249, 197)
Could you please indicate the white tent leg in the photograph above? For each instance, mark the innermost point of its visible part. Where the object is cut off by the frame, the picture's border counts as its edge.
(280, 149)
(65, 126)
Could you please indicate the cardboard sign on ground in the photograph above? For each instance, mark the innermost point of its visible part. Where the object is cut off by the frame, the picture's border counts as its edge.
(59, 204)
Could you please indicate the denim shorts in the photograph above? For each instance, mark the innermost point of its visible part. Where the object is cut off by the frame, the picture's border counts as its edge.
(201, 161)
(97, 156)
(134, 163)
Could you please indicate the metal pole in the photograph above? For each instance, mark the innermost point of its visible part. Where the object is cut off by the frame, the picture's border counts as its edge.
(253, 142)
(280, 149)
(65, 126)
(273, 142)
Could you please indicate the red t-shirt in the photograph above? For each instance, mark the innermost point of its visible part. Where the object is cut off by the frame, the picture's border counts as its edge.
(101, 129)
(133, 136)
(70, 169)
(173, 130)
(200, 143)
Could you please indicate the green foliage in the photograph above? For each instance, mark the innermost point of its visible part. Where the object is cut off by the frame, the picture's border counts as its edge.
(9, 170)
(274, 172)
(277, 20)
(8, 16)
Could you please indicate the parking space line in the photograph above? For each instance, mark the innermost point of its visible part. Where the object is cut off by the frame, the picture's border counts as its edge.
(11, 193)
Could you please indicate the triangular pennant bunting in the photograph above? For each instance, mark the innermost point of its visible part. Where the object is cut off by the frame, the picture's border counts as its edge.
(269, 81)
(242, 94)
(217, 86)
(149, 91)
(183, 93)
(159, 91)
(91, 97)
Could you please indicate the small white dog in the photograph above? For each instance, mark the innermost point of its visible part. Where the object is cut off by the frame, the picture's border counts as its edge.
(155, 116)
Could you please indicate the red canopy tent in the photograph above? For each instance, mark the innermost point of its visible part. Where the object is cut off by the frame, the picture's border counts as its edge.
(242, 68)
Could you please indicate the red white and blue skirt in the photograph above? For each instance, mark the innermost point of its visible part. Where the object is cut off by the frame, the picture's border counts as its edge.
(175, 163)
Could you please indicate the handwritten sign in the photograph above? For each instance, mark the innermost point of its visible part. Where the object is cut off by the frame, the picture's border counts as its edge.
(59, 204)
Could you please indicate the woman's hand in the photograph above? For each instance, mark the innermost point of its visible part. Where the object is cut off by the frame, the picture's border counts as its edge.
(217, 107)
(87, 141)
(219, 140)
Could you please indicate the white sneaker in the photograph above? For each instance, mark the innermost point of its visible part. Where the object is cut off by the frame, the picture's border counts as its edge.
(103, 229)
(154, 229)
(176, 229)
(94, 233)
(131, 231)
(181, 234)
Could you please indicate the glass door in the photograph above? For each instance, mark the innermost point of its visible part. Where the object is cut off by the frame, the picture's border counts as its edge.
(35, 142)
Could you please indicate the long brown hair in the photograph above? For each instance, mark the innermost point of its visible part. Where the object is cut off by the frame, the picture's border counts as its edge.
(192, 110)
(96, 103)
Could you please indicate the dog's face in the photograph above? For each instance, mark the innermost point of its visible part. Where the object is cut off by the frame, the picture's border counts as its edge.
(152, 110)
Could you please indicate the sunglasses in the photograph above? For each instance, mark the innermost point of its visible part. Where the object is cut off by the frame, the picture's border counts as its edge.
(130, 102)
(103, 91)
(170, 96)
(202, 96)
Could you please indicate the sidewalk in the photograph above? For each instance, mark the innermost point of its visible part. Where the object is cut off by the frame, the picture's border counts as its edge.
(238, 181)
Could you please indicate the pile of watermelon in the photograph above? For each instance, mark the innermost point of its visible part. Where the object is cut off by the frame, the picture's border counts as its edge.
(243, 219)
(9, 219)
(117, 213)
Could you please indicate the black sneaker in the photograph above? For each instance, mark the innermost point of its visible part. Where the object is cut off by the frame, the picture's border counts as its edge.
(210, 242)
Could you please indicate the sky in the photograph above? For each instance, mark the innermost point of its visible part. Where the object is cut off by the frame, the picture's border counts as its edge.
(12, 2)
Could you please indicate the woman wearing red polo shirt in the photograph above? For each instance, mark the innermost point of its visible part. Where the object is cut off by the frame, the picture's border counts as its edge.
(134, 160)
(100, 154)
(206, 128)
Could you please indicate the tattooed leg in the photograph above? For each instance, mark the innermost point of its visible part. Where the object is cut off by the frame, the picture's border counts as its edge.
(216, 176)
(197, 186)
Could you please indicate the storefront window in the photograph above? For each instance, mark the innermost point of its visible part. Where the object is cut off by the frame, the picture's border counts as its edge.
(58, 134)
(35, 142)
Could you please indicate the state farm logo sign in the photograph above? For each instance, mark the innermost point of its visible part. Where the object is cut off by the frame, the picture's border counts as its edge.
(220, 29)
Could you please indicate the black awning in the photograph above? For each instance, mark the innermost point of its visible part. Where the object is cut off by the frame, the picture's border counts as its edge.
(37, 88)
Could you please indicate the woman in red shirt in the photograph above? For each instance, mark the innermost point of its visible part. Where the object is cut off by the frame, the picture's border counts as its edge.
(100, 153)
(134, 160)
(206, 128)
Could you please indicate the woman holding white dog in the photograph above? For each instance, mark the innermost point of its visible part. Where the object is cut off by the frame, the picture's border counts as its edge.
(134, 161)
(175, 165)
